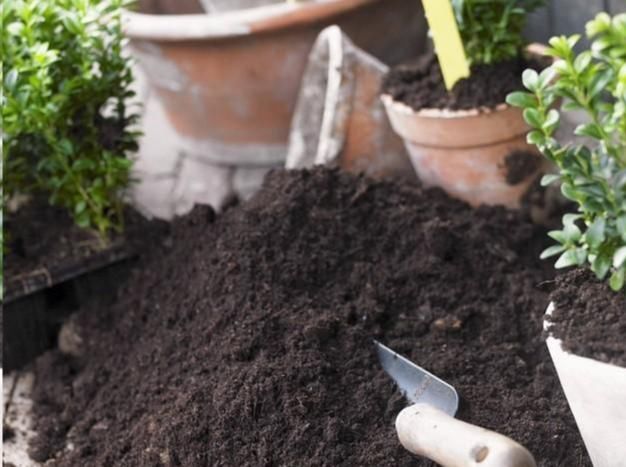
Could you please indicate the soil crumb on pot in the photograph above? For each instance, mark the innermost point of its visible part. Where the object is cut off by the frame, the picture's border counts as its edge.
(589, 317)
(8, 433)
(519, 165)
(249, 342)
(419, 84)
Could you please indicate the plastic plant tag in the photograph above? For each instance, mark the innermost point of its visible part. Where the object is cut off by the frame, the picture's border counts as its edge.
(447, 39)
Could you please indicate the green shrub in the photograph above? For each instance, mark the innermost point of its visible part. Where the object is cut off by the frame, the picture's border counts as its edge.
(594, 174)
(66, 123)
(491, 30)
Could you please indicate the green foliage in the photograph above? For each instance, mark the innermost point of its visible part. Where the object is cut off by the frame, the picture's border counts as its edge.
(491, 30)
(593, 175)
(64, 106)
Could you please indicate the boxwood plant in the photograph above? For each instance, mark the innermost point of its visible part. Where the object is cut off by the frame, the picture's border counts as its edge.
(592, 174)
(66, 121)
(491, 30)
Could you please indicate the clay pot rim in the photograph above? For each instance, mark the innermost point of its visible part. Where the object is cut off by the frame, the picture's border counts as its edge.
(175, 28)
(534, 49)
(402, 108)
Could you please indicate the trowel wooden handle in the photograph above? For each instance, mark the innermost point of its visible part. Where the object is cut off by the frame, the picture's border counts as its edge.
(431, 433)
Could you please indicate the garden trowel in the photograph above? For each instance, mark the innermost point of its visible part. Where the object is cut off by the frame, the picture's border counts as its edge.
(428, 428)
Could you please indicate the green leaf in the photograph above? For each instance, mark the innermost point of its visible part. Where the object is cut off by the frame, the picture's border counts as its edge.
(558, 235)
(552, 251)
(617, 279)
(10, 79)
(552, 120)
(80, 207)
(570, 192)
(621, 226)
(601, 266)
(571, 219)
(595, 234)
(582, 62)
(83, 164)
(530, 79)
(533, 117)
(548, 179)
(589, 129)
(573, 40)
(572, 233)
(573, 257)
(535, 137)
(546, 77)
(599, 82)
(521, 99)
(66, 146)
(619, 258)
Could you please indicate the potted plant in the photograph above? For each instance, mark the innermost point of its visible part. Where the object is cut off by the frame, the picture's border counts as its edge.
(67, 131)
(468, 140)
(586, 320)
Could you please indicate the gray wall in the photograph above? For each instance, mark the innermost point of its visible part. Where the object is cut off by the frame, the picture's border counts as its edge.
(568, 17)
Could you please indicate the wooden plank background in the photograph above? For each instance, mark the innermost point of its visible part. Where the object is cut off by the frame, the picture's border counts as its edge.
(568, 17)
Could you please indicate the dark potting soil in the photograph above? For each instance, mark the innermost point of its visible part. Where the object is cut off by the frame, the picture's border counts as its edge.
(39, 235)
(419, 84)
(8, 433)
(519, 165)
(589, 317)
(249, 341)
(44, 237)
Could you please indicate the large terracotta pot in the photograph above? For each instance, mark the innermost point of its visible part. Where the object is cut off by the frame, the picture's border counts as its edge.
(229, 81)
(596, 393)
(464, 151)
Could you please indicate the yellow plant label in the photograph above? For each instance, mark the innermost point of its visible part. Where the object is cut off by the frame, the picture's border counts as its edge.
(447, 39)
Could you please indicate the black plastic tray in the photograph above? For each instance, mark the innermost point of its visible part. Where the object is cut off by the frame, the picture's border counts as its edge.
(36, 304)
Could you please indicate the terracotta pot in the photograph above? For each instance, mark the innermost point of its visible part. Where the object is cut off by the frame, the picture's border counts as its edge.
(596, 393)
(464, 151)
(339, 118)
(229, 81)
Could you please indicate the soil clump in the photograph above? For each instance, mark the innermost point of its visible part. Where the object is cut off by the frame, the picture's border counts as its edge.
(589, 317)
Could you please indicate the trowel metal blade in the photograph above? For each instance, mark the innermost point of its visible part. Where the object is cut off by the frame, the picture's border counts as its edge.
(417, 384)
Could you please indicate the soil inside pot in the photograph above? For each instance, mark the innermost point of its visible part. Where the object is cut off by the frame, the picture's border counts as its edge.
(419, 84)
(248, 341)
(589, 317)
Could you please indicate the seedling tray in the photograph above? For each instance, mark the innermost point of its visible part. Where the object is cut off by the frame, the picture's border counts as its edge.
(36, 303)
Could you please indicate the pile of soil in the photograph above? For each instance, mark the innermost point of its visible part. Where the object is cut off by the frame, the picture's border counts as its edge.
(419, 84)
(589, 317)
(249, 341)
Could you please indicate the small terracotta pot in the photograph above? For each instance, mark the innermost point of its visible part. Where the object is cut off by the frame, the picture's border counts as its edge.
(464, 151)
(229, 81)
(339, 118)
(596, 393)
